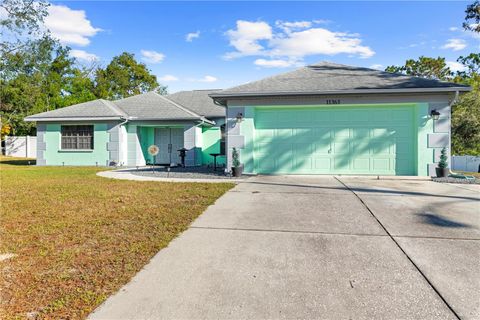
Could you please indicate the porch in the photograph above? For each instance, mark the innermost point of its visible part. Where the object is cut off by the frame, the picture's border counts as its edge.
(200, 141)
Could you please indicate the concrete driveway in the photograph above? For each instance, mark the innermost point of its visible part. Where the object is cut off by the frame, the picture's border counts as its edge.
(318, 247)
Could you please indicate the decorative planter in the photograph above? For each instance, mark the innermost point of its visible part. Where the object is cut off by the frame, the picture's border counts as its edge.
(442, 172)
(237, 171)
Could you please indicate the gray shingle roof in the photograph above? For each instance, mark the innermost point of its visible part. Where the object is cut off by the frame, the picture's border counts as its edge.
(325, 77)
(147, 106)
(99, 108)
(151, 105)
(199, 101)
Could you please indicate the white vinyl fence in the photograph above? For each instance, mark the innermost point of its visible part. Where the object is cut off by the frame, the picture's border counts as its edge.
(466, 163)
(22, 146)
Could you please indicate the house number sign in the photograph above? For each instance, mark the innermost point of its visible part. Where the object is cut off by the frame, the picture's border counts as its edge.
(333, 101)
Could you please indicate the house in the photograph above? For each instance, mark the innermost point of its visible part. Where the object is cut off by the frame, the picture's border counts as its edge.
(119, 132)
(335, 119)
(323, 118)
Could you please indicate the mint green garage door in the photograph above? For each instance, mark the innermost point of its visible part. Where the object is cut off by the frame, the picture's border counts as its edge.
(337, 140)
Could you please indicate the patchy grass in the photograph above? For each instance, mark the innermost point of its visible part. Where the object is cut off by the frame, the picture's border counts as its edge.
(78, 237)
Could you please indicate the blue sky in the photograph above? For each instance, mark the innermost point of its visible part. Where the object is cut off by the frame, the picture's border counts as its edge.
(231, 43)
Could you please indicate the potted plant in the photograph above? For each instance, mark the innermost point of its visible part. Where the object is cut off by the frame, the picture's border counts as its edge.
(442, 169)
(237, 167)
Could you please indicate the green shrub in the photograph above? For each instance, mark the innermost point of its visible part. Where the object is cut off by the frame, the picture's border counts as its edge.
(443, 159)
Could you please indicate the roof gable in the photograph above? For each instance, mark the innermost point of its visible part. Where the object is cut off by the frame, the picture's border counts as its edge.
(151, 105)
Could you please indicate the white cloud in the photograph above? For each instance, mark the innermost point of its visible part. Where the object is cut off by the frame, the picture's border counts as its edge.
(455, 66)
(377, 67)
(455, 44)
(316, 41)
(275, 63)
(152, 56)
(453, 29)
(70, 26)
(192, 35)
(168, 78)
(208, 78)
(290, 42)
(83, 55)
(287, 26)
(245, 38)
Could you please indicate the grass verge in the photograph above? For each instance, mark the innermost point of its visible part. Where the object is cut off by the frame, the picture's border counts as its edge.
(77, 238)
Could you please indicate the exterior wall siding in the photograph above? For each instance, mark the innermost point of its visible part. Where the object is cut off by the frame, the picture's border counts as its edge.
(431, 137)
(53, 155)
(211, 144)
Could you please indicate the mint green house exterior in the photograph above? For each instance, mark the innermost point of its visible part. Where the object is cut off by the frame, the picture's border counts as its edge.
(119, 133)
(335, 119)
(320, 119)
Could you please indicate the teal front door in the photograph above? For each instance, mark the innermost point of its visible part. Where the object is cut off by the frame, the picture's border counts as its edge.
(337, 140)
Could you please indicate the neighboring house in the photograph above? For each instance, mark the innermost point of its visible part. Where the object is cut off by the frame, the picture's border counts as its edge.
(320, 119)
(334, 119)
(119, 132)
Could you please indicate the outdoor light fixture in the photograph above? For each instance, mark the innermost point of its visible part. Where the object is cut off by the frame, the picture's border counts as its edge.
(239, 117)
(434, 114)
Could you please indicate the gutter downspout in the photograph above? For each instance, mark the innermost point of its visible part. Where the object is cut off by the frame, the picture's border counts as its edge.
(121, 145)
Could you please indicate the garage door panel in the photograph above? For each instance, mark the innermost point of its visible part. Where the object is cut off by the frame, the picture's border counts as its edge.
(303, 165)
(341, 115)
(381, 115)
(324, 133)
(303, 149)
(402, 132)
(306, 134)
(361, 164)
(341, 133)
(341, 163)
(360, 140)
(361, 133)
(341, 147)
(402, 115)
(359, 116)
(323, 147)
(381, 164)
(286, 133)
(323, 164)
(321, 116)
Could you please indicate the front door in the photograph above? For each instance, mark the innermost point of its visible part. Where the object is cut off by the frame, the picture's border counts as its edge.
(168, 140)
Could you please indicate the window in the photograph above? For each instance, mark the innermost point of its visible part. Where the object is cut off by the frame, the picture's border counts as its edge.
(222, 139)
(77, 137)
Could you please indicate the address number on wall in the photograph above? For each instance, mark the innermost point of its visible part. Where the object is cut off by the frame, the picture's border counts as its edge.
(333, 101)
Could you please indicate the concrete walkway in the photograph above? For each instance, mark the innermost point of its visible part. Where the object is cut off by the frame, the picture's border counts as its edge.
(317, 247)
(128, 174)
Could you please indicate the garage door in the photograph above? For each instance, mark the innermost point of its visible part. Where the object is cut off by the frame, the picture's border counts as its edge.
(338, 140)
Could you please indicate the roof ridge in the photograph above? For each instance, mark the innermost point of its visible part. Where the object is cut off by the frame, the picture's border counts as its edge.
(179, 105)
(114, 107)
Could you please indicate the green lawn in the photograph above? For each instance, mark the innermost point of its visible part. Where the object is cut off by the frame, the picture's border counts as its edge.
(78, 237)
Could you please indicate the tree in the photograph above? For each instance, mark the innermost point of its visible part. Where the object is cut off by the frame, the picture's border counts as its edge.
(471, 74)
(425, 67)
(22, 22)
(472, 17)
(466, 112)
(24, 19)
(466, 125)
(35, 78)
(124, 77)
